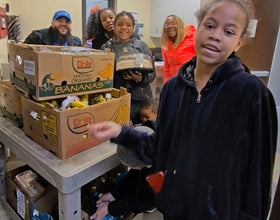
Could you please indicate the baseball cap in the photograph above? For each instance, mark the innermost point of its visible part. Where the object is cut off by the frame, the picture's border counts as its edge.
(61, 13)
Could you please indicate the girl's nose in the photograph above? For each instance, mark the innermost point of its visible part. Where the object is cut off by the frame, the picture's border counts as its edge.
(215, 35)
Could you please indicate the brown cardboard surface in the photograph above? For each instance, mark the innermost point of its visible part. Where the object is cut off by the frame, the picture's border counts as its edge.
(44, 202)
(10, 102)
(159, 70)
(48, 72)
(64, 132)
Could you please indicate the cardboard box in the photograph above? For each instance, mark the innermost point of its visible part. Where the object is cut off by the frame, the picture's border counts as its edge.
(10, 102)
(49, 72)
(20, 201)
(64, 132)
(159, 66)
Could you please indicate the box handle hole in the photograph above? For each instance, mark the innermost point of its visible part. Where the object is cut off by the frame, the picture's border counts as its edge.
(63, 83)
(85, 135)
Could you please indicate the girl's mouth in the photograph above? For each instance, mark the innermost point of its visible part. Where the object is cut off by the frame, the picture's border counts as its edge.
(211, 47)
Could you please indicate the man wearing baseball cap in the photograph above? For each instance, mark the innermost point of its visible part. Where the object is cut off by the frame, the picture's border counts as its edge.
(59, 33)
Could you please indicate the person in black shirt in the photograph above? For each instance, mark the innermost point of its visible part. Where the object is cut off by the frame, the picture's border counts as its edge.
(59, 33)
(216, 132)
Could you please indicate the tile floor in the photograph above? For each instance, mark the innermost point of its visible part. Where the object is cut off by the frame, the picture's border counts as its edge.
(156, 215)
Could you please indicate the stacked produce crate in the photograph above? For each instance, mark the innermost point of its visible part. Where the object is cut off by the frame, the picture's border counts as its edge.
(65, 88)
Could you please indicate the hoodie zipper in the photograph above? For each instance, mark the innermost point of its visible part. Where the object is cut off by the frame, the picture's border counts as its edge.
(198, 98)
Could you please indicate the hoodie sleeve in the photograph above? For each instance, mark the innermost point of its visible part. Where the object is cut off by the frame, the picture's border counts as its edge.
(256, 192)
(141, 143)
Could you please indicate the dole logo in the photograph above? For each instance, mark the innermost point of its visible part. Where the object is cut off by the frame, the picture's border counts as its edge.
(77, 124)
(82, 64)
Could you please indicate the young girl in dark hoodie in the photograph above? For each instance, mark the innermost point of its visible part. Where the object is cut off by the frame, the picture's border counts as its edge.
(216, 131)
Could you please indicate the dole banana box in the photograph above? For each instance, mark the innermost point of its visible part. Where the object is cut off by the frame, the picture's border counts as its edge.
(64, 132)
(10, 102)
(49, 72)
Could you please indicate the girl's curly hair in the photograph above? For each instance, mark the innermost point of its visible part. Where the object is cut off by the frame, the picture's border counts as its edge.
(246, 5)
(94, 27)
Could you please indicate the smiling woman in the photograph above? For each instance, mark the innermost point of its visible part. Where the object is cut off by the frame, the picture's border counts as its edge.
(177, 44)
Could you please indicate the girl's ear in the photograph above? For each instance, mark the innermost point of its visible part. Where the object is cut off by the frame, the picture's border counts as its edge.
(239, 44)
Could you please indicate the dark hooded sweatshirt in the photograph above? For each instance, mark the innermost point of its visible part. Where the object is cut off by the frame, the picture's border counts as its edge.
(216, 149)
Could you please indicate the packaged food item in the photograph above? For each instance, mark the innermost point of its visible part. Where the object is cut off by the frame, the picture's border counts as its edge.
(28, 181)
(134, 62)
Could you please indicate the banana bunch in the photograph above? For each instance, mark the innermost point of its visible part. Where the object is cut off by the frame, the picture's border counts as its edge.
(97, 98)
(54, 102)
(107, 72)
(122, 114)
(84, 99)
(109, 97)
(78, 101)
(78, 104)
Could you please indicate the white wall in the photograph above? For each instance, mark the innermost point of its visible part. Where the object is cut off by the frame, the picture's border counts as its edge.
(3, 41)
(37, 14)
(274, 82)
(143, 7)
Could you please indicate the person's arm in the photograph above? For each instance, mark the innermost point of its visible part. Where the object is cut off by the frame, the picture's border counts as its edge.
(35, 37)
(256, 189)
(76, 41)
(140, 142)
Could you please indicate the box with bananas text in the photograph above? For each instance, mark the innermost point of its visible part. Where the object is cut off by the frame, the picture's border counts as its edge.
(63, 131)
(46, 72)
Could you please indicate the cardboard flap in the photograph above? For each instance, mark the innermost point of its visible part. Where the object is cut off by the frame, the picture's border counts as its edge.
(123, 91)
(49, 106)
(30, 47)
(107, 50)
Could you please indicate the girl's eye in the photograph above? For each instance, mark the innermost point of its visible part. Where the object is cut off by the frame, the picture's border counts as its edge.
(229, 32)
(209, 26)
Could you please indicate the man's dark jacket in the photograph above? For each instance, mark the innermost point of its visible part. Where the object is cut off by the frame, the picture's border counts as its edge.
(44, 37)
(216, 149)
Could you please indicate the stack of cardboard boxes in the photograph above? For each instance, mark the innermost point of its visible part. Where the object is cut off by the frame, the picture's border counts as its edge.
(43, 75)
(51, 73)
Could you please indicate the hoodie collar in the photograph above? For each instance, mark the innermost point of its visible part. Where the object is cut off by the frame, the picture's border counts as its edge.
(230, 67)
